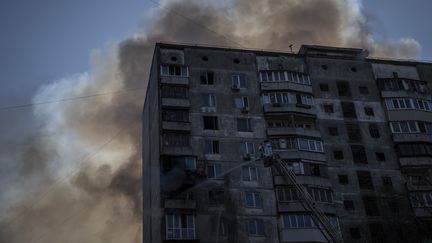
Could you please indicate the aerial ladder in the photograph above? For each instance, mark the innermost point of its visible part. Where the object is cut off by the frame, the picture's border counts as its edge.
(330, 232)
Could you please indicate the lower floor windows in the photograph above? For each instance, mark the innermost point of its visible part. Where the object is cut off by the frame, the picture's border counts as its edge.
(180, 226)
(304, 221)
(255, 227)
(421, 199)
(288, 194)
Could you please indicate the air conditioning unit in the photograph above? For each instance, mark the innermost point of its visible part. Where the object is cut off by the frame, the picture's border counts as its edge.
(245, 109)
(246, 157)
(235, 87)
(282, 144)
(276, 104)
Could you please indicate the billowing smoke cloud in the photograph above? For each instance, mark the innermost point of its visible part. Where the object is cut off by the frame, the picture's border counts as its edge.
(80, 180)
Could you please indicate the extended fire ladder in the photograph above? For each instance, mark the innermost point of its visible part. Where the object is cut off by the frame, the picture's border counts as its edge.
(330, 232)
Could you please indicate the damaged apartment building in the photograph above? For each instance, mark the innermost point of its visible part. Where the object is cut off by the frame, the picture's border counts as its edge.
(356, 131)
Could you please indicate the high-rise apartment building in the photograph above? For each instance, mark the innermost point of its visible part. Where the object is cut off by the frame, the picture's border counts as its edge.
(356, 131)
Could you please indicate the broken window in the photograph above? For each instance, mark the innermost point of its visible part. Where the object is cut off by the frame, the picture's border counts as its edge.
(244, 125)
(369, 111)
(365, 180)
(338, 154)
(328, 108)
(380, 156)
(343, 179)
(333, 131)
(324, 87)
(363, 90)
(343, 89)
(207, 78)
(210, 122)
(348, 110)
(371, 205)
(354, 133)
(373, 131)
(348, 204)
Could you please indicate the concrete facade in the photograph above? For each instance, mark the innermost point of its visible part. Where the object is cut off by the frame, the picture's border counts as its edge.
(325, 111)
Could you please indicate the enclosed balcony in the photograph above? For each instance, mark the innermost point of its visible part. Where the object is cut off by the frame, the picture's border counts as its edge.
(295, 125)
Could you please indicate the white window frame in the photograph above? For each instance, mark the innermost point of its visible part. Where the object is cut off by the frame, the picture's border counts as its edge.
(215, 168)
(313, 145)
(257, 201)
(251, 174)
(176, 223)
(396, 126)
(210, 99)
(255, 223)
(244, 101)
(236, 80)
(165, 70)
(248, 146)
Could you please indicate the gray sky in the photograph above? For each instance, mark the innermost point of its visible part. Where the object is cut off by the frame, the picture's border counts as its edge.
(46, 40)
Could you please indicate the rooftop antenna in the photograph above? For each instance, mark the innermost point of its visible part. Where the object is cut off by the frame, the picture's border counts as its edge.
(291, 46)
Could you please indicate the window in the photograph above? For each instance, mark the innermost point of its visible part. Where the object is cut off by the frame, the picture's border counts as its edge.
(421, 199)
(310, 145)
(253, 200)
(172, 139)
(404, 127)
(365, 180)
(355, 233)
(175, 115)
(210, 122)
(400, 103)
(244, 125)
(223, 227)
(190, 163)
(209, 100)
(324, 87)
(354, 133)
(387, 181)
(249, 173)
(348, 204)
(174, 70)
(338, 154)
(296, 166)
(380, 156)
(297, 221)
(289, 194)
(377, 233)
(207, 78)
(255, 227)
(303, 99)
(176, 92)
(247, 148)
(211, 146)
(333, 131)
(373, 131)
(216, 197)
(343, 89)
(180, 227)
(369, 111)
(278, 98)
(359, 154)
(279, 76)
(214, 171)
(371, 206)
(393, 206)
(363, 90)
(348, 110)
(328, 108)
(414, 149)
(343, 179)
(238, 81)
(241, 102)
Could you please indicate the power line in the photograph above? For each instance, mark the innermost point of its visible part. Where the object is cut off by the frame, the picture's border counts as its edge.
(13, 107)
(196, 23)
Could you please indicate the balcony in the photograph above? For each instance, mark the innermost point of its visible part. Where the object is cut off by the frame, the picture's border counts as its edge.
(412, 137)
(174, 80)
(305, 180)
(291, 108)
(404, 94)
(409, 115)
(284, 85)
(293, 131)
(180, 204)
(423, 212)
(415, 161)
(296, 206)
(176, 126)
(173, 102)
(302, 235)
(186, 150)
(299, 154)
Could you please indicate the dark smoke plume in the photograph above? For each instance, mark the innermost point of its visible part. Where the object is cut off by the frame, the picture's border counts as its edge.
(80, 180)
